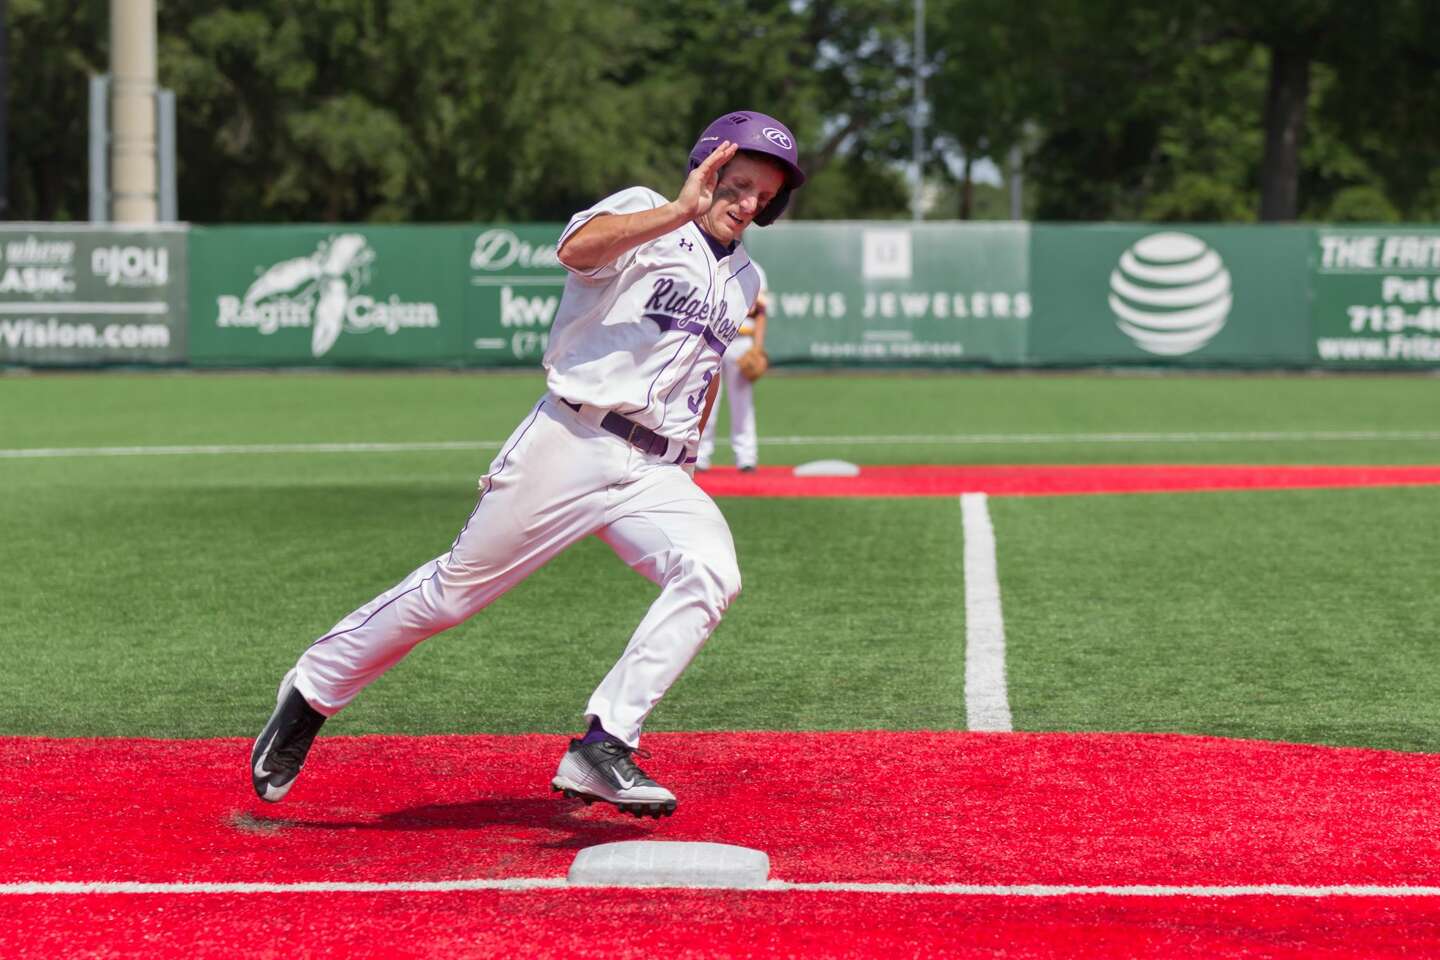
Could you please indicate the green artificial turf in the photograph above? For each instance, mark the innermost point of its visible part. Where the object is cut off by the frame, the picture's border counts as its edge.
(164, 595)
(932, 418)
(167, 611)
(1289, 615)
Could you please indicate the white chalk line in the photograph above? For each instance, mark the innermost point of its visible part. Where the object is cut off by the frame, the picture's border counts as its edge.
(973, 439)
(525, 884)
(987, 704)
(243, 449)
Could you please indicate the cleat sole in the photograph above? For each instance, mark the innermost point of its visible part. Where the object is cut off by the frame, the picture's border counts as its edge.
(637, 810)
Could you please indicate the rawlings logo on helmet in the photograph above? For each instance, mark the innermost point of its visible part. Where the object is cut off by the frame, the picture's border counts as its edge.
(777, 137)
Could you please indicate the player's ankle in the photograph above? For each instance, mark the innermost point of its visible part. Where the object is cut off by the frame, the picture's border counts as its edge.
(596, 733)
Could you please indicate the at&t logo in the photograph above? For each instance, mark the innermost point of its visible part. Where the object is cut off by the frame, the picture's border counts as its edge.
(1170, 294)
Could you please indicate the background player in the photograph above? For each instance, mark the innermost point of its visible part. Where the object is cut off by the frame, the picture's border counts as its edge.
(744, 363)
(655, 296)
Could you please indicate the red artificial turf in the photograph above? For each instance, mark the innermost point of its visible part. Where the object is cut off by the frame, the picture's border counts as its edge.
(869, 807)
(650, 924)
(927, 481)
(872, 807)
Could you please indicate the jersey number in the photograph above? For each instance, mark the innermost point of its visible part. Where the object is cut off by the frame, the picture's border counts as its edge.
(697, 402)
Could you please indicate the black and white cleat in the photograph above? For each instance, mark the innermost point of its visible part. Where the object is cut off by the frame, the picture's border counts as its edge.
(283, 744)
(606, 771)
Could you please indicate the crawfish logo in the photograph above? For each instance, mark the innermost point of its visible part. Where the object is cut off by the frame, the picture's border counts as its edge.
(323, 291)
(338, 268)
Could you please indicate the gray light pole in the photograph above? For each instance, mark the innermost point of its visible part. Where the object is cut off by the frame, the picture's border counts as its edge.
(917, 200)
(1017, 205)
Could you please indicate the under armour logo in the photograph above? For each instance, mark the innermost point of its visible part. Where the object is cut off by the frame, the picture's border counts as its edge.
(687, 244)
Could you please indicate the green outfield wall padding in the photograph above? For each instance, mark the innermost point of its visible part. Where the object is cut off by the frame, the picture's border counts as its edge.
(512, 289)
(76, 295)
(1161, 295)
(326, 296)
(851, 294)
(1376, 297)
(886, 293)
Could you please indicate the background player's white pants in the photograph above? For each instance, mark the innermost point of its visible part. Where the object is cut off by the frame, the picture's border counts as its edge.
(557, 479)
(740, 394)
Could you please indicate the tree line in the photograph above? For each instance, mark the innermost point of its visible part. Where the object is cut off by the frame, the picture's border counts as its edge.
(464, 110)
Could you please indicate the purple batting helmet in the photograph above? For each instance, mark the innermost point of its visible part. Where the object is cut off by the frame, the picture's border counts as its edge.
(756, 133)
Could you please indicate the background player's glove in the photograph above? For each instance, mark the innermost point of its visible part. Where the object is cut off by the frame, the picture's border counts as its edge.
(753, 364)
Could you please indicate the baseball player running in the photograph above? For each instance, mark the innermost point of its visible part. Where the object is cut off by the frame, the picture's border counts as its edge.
(655, 297)
(744, 363)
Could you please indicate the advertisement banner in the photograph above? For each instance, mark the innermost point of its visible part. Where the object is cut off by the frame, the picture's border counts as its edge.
(81, 295)
(1376, 297)
(857, 294)
(341, 295)
(512, 288)
(1188, 295)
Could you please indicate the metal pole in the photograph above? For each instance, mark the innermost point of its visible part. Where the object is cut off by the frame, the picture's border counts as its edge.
(917, 200)
(132, 148)
(100, 148)
(165, 144)
(1017, 208)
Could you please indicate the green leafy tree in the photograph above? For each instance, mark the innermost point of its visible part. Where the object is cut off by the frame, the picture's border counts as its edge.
(54, 49)
(1380, 90)
(428, 110)
(979, 86)
(854, 188)
(436, 110)
(1296, 36)
(1208, 145)
(1215, 110)
(834, 70)
(409, 109)
(1093, 78)
(341, 110)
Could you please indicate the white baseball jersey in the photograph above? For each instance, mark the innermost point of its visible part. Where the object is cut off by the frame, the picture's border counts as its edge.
(644, 334)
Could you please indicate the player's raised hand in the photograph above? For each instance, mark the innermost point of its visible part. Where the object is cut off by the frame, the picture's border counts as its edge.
(603, 238)
(699, 191)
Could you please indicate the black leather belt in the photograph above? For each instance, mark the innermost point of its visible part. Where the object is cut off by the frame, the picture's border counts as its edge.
(642, 438)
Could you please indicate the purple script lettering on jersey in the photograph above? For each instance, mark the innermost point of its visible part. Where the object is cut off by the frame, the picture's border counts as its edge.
(682, 304)
(721, 326)
(683, 311)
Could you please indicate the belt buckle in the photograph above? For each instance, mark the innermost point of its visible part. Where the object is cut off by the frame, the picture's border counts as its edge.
(630, 437)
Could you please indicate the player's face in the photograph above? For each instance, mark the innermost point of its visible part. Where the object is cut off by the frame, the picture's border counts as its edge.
(747, 185)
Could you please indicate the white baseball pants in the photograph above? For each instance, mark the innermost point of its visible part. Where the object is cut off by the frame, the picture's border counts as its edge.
(740, 394)
(559, 477)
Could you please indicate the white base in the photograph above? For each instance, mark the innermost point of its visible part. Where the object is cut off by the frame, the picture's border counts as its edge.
(827, 468)
(669, 863)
